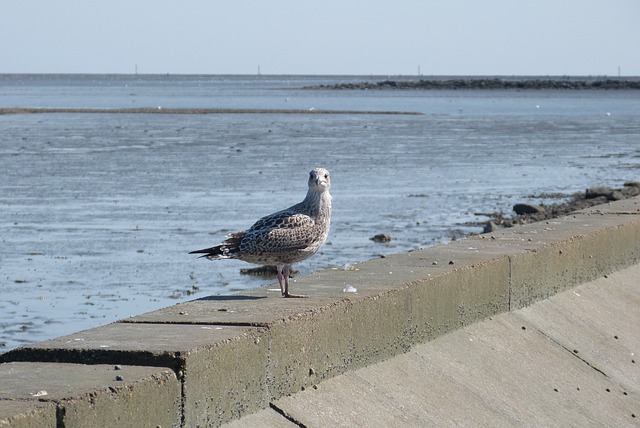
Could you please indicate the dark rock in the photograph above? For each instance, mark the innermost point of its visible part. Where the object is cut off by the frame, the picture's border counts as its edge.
(615, 195)
(381, 237)
(594, 192)
(527, 209)
(630, 190)
(490, 227)
(578, 201)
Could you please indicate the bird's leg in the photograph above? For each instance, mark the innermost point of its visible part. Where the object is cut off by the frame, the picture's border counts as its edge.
(280, 269)
(285, 272)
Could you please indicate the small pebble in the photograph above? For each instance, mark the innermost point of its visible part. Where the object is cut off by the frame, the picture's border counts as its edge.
(117, 367)
(119, 378)
(450, 262)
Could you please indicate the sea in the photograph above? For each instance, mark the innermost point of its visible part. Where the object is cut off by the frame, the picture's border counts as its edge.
(98, 211)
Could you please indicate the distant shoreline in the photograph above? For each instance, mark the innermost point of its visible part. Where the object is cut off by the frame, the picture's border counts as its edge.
(162, 110)
(487, 84)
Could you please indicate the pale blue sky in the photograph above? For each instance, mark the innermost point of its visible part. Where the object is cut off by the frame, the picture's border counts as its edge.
(455, 37)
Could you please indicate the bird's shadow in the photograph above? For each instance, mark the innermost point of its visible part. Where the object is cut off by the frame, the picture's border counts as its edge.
(231, 298)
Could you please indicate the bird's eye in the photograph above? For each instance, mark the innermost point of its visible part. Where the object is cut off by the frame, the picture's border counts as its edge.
(326, 176)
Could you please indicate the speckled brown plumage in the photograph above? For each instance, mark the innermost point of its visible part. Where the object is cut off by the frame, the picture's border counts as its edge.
(284, 237)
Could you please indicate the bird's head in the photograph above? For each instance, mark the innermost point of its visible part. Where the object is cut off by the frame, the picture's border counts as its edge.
(319, 180)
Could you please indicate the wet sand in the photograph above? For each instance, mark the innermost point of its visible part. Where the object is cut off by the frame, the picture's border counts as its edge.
(162, 110)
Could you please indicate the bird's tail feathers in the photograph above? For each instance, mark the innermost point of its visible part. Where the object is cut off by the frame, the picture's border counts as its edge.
(212, 253)
(225, 250)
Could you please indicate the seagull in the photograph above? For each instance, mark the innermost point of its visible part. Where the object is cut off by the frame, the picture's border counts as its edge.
(284, 237)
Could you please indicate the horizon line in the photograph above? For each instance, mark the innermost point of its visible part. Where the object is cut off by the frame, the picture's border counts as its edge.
(260, 75)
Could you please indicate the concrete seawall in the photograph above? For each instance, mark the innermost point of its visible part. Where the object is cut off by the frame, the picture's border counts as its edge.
(217, 359)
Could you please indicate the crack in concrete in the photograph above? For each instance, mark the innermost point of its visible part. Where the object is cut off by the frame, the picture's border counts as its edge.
(288, 417)
(571, 352)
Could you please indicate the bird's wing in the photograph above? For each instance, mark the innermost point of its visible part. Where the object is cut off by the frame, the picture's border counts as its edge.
(282, 231)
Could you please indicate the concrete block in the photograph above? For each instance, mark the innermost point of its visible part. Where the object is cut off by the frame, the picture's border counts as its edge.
(257, 308)
(569, 252)
(492, 373)
(357, 329)
(222, 368)
(27, 414)
(318, 337)
(225, 381)
(308, 348)
(380, 327)
(598, 323)
(454, 285)
(88, 396)
(314, 338)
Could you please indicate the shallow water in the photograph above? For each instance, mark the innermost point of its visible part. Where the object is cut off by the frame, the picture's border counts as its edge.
(98, 211)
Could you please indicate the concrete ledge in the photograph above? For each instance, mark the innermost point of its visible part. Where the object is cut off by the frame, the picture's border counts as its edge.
(25, 414)
(212, 362)
(50, 394)
(566, 361)
(570, 251)
(236, 354)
